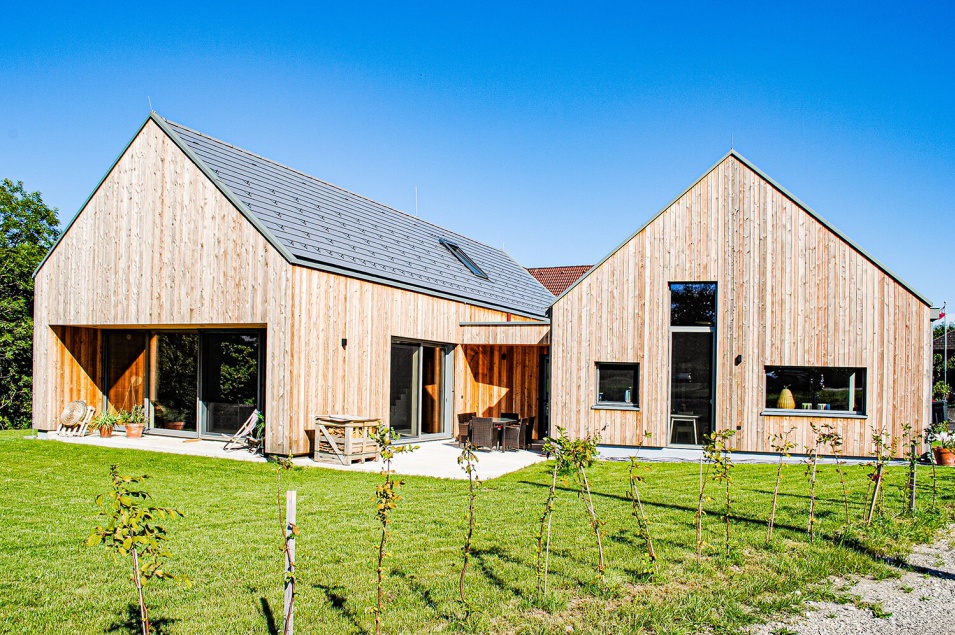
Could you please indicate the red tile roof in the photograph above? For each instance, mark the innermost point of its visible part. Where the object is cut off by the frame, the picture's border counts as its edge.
(556, 279)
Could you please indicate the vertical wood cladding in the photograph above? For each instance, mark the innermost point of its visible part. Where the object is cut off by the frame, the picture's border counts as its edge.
(790, 293)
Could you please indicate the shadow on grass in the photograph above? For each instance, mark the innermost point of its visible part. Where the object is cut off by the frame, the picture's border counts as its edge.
(424, 593)
(129, 623)
(266, 610)
(335, 596)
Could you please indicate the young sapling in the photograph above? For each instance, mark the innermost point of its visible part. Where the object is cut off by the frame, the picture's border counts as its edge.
(468, 462)
(782, 445)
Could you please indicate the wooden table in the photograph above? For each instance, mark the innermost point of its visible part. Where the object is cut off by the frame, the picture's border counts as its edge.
(345, 439)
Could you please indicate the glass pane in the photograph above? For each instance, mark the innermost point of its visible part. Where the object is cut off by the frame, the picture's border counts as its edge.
(617, 383)
(230, 380)
(692, 303)
(126, 369)
(404, 395)
(691, 387)
(175, 381)
(816, 388)
(431, 393)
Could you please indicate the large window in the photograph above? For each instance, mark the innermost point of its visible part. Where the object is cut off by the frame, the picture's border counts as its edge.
(816, 388)
(618, 385)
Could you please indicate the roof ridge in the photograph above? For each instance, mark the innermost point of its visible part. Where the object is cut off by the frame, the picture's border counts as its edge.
(328, 183)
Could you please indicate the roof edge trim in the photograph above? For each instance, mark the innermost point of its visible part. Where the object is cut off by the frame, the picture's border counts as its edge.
(733, 153)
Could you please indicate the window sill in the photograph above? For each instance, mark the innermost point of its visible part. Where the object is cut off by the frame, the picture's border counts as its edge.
(828, 414)
(615, 406)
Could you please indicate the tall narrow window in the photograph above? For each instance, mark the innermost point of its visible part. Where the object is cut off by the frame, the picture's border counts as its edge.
(464, 258)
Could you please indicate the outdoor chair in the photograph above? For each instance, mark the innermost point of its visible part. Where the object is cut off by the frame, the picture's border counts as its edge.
(243, 438)
(483, 433)
(463, 431)
(512, 435)
(74, 419)
(527, 431)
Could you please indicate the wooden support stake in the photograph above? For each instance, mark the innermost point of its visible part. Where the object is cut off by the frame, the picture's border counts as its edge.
(913, 468)
(290, 499)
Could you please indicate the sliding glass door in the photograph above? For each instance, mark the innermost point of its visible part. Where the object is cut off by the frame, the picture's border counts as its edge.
(230, 384)
(173, 385)
(419, 389)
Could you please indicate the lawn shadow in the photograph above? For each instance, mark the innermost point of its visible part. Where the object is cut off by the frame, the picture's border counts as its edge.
(335, 596)
(129, 623)
(266, 610)
(481, 559)
(424, 593)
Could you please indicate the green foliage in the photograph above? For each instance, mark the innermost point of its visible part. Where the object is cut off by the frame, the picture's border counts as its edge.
(812, 465)
(783, 445)
(468, 462)
(581, 454)
(559, 450)
(105, 419)
(28, 228)
(829, 437)
(719, 454)
(882, 454)
(238, 372)
(633, 493)
(135, 417)
(386, 501)
(941, 390)
(133, 529)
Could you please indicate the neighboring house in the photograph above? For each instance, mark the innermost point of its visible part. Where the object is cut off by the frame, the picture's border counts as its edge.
(556, 279)
(204, 281)
(739, 307)
(939, 344)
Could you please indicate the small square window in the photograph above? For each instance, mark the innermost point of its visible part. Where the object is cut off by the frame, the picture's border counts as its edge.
(618, 384)
(692, 303)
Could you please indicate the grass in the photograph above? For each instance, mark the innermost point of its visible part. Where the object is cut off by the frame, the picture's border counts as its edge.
(230, 545)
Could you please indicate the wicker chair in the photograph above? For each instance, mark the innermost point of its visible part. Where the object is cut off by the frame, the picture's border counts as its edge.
(483, 433)
(527, 431)
(513, 433)
(462, 432)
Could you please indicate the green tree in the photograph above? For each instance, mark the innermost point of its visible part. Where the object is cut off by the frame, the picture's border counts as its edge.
(28, 228)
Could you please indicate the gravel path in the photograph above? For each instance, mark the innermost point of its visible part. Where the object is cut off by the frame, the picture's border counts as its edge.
(921, 601)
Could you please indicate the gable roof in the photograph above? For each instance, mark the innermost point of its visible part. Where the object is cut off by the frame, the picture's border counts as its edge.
(321, 226)
(556, 279)
(939, 342)
(733, 153)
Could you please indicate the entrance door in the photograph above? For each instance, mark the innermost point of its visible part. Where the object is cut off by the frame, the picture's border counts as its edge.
(173, 383)
(691, 386)
(230, 380)
(417, 400)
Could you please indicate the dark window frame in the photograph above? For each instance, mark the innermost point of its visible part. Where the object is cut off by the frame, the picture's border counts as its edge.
(465, 259)
(634, 403)
(857, 384)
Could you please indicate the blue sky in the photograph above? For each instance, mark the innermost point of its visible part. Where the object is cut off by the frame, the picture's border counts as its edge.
(554, 129)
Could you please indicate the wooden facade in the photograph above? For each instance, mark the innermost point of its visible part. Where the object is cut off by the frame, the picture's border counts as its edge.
(159, 247)
(790, 292)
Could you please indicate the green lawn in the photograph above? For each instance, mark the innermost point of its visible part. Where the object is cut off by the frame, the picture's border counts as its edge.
(229, 544)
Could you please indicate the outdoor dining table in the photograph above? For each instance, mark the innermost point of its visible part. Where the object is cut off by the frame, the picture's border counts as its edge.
(499, 424)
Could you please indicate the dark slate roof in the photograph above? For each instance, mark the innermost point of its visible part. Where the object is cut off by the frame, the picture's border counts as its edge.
(939, 342)
(320, 225)
(556, 279)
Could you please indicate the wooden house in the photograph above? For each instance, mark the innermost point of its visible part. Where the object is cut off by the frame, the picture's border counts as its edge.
(739, 307)
(203, 281)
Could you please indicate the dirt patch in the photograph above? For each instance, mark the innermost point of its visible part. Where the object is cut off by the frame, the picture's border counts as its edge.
(919, 601)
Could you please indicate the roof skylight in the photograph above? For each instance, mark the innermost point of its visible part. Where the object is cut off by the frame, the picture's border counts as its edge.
(464, 258)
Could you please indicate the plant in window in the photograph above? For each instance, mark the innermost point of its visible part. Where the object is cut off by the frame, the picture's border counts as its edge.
(386, 500)
(782, 445)
(941, 391)
(133, 530)
(468, 462)
(558, 450)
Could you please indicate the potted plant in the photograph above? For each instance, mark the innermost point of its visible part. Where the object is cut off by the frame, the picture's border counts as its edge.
(172, 419)
(134, 420)
(943, 443)
(103, 422)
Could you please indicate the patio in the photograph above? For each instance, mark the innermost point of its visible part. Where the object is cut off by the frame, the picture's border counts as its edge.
(432, 458)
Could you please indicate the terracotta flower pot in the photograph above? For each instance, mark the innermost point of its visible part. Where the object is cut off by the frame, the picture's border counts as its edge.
(944, 456)
(134, 430)
(106, 432)
(174, 425)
